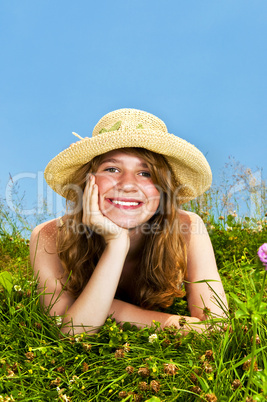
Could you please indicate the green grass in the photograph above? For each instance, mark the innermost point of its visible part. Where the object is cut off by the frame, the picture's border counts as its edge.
(119, 363)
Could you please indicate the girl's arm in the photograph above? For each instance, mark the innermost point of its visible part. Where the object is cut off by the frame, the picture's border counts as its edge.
(48, 269)
(126, 312)
(92, 307)
(96, 302)
(201, 297)
(207, 297)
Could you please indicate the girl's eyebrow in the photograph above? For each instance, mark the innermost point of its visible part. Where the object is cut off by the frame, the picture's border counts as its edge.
(113, 160)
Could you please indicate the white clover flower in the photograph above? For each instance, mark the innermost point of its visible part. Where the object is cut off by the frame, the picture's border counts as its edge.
(58, 389)
(65, 398)
(74, 379)
(58, 320)
(152, 338)
(229, 228)
(17, 288)
(126, 347)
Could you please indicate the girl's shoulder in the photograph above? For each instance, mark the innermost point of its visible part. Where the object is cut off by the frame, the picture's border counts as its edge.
(46, 228)
(188, 217)
(43, 247)
(45, 234)
(191, 224)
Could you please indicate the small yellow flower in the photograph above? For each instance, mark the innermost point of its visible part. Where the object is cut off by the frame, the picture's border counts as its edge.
(42, 368)
(30, 349)
(111, 329)
(154, 369)
(83, 387)
(76, 357)
(30, 371)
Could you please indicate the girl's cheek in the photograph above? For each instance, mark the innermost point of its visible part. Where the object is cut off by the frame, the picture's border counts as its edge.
(104, 182)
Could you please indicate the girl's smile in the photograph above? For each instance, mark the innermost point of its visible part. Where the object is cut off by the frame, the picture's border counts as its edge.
(125, 203)
(126, 192)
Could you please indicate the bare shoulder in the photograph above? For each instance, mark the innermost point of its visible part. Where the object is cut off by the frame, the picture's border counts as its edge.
(43, 244)
(188, 216)
(191, 224)
(44, 235)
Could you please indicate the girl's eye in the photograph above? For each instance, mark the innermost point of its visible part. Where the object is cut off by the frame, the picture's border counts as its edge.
(111, 169)
(114, 170)
(146, 174)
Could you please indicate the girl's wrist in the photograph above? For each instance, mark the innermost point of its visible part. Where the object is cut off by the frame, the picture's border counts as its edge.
(122, 240)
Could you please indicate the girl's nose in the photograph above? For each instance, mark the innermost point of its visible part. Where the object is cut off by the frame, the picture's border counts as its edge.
(127, 182)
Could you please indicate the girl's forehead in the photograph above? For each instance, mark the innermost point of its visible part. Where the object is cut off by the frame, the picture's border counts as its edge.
(122, 155)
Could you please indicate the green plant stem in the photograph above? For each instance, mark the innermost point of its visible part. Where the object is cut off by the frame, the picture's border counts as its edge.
(252, 357)
(254, 323)
(262, 288)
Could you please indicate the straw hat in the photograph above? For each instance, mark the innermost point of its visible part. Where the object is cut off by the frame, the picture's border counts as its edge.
(125, 128)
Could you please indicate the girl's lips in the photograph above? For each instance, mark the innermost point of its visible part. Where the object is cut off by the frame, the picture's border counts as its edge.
(123, 203)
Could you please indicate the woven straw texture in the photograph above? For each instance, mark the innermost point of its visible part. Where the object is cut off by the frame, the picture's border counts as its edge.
(125, 128)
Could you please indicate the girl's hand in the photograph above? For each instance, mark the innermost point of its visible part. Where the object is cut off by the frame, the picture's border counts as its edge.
(186, 324)
(93, 217)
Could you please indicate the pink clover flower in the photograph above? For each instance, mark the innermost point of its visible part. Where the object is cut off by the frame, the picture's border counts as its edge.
(262, 253)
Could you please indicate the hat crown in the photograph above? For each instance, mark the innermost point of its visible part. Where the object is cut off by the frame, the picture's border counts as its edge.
(129, 119)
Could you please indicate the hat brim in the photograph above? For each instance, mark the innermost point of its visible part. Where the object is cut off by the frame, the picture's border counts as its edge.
(189, 165)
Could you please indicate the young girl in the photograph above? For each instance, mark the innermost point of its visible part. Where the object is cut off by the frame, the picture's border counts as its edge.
(124, 247)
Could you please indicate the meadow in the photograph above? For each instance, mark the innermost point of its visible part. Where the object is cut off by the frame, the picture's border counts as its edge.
(227, 363)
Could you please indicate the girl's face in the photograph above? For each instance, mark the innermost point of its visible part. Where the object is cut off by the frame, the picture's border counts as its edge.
(127, 194)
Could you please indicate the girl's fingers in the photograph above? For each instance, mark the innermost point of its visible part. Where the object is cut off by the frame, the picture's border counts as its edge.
(91, 193)
(94, 216)
(93, 200)
(86, 197)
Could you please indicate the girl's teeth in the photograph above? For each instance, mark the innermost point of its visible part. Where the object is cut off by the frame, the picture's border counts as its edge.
(124, 202)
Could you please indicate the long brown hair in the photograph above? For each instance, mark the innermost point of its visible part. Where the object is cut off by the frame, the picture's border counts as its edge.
(162, 265)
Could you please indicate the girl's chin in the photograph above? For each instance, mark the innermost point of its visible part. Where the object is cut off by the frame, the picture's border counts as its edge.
(129, 220)
(126, 222)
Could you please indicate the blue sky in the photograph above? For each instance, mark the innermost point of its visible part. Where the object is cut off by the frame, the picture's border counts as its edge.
(198, 65)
